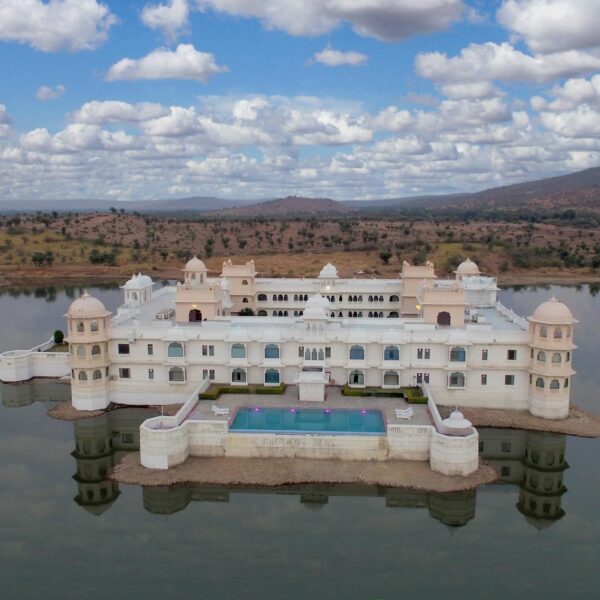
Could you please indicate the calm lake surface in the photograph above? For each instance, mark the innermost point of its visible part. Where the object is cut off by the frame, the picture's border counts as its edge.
(65, 532)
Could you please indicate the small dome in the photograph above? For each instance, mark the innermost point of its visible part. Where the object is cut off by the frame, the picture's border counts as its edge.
(467, 267)
(328, 272)
(195, 264)
(457, 424)
(138, 281)
(317, 307)
(87, 307)
(553, 312)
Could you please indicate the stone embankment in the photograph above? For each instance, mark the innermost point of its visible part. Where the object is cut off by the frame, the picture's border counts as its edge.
(268, 472)
(65, 411)
(579, 423)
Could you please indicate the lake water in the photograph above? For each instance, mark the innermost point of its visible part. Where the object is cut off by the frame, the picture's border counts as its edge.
(66, 532)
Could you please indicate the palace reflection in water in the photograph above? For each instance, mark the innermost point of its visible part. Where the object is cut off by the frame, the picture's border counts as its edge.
(533, 462)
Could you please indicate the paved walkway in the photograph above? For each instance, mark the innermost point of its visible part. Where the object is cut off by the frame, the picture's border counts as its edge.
(334, 399)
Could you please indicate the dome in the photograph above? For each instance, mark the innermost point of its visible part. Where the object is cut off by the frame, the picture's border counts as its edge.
(138, 281)
(87, 307)
(467, 268)
(317, 307)
(457, 424)
(195, 264)
(553, 312)
(328, 272)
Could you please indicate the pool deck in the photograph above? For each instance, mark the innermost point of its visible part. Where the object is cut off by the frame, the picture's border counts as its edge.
(334, 399)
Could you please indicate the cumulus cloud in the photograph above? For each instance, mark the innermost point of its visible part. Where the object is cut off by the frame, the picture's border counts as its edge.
(389, 20)
(553, 25)
(491, 61)
(114, 111)
(476, 89)
(4, 121)
(336, 58)
(184, 63)
(170, 18)
(45, 92)
(71, 25)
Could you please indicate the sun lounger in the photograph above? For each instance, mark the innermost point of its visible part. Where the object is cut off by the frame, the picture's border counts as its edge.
(220, 412)
(405, 413)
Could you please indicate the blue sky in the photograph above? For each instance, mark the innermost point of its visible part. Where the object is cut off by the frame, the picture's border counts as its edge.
(264, 98)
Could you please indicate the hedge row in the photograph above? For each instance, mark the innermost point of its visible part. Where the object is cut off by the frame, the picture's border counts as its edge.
(413, 395)
(214, 391)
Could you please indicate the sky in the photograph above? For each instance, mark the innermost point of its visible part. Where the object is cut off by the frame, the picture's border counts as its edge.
(346, 99)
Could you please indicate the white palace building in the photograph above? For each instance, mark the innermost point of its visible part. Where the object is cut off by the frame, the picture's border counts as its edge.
(450, 337)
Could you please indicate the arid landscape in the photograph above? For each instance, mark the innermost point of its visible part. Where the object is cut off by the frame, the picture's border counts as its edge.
(45, 247)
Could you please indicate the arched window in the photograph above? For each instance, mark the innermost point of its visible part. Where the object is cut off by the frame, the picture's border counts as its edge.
(176, 374)
(271, 351)
(357, 353)
(360, 299)
(543, 331)
(175, 350)
(539, 382)
(238, 351)
(307, 354)
(97, 374)
(370, 298)
(82, 376)
(261, 313)
(558, 333)
(356, 378)
(444, 319)
(96, 350)
(567, 382)
(390, 378)
(285, 313)
(244, 282)
(568, 359)
(370, 314)
(94, 326)
(262, 297)
(458, 354)
(321, 354)
(285, 298)
(456, 380)
(541, 356)
(394, 298)
(134, 296)
(313, 354)
(280, 298)
(295, 297)
(245, 301)
(359, 314)
(556, 357)
(274, 297)
(380, 298)
(272, 376)
(391, 353)
(393, 314)
(555, 384)
(80, 351)
(80, 327)
(238, 376)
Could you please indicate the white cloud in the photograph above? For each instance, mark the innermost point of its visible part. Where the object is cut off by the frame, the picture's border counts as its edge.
(248, 109)
(476, 89)
(71, 25)
(46, 92)
(574, 93)
(170, 18)
(388, 20)
(491, 61)
(114, 111)
(184, 63)
(4, 121)
(336, 58)
(553, 25)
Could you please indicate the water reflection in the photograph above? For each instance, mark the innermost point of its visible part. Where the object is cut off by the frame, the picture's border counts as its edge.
(534, 461)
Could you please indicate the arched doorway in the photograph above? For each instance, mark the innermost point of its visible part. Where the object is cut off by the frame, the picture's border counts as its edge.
(195, 315)
(443, 319)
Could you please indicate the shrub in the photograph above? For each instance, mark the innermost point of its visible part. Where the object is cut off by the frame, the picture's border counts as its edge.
(215, 390)
(59, 337)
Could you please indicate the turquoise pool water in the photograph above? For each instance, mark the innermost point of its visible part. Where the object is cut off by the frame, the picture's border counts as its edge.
(308, 420)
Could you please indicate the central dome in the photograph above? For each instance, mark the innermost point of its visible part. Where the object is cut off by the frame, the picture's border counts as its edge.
(317, 307)
(328, 272)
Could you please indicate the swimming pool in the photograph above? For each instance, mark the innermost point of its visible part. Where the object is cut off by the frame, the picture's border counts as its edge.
(308, 420)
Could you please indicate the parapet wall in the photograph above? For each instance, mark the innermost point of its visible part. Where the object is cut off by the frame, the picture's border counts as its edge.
(23, 365)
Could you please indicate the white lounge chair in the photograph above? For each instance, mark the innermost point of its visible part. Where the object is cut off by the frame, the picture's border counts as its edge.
(220, 411)
(405, 413)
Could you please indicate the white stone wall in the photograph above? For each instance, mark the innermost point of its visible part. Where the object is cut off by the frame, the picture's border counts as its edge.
(22, 365)
(454, 455)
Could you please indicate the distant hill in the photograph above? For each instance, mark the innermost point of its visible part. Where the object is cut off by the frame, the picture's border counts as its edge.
(287, 207)
(578, 191)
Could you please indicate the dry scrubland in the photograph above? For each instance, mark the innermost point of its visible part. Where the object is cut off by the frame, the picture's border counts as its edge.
(98, 246)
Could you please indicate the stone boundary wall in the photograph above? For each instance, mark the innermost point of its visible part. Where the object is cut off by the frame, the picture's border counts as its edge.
(23, 365)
